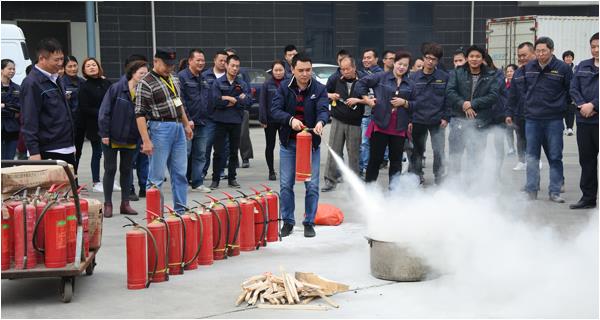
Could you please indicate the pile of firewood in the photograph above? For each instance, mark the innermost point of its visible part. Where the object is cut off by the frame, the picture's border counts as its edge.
(285, 291)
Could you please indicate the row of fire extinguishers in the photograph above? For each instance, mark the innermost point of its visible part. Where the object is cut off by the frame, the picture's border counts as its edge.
(42, 229)
(221, 228)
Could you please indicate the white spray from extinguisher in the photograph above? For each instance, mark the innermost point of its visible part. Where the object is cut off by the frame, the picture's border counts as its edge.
(495, 258)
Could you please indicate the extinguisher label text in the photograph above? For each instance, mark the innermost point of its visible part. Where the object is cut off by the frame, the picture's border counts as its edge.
(61, 236)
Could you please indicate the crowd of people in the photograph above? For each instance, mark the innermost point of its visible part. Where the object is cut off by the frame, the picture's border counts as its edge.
(159, 120)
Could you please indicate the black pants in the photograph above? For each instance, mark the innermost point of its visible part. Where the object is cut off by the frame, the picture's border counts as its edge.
(245, 143)
(79, 140)
(270, 136)
(230, 131)
(587, 143)
(570, 116)
(379, 141)
(68, 158)
(110, 169)
(519, 124)
(438, 143)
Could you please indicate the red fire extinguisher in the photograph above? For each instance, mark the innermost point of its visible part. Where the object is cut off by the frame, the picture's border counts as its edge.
(10, 204)
(247, 241)
(158, 229)
(54, 216)
(6, 240)
(221, 224)
(205, 241)
(24, 222)
(136, 241)
(176, 236)
(272, 200)
(261, 219)
(303, 155)
(232, 207)
(85, 216)
(71, 228)
(194, 230)
(153, 203)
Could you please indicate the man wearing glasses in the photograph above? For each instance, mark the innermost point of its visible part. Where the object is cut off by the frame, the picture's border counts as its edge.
(429, 111)
(547, 81)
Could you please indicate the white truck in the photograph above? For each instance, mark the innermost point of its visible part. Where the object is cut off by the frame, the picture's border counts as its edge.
(568, 33)
(15, 49)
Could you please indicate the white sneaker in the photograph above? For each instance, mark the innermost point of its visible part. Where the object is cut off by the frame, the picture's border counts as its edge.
(569, 132)
(97, 187)
(116, 187)
(202, 188)
(541, 165)
(520, 166)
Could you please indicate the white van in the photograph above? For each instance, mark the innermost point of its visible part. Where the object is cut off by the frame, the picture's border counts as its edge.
(15, 49)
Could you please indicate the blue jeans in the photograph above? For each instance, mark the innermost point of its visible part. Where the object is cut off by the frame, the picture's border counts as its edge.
(547, 134)
(287, 172)
(196, 148)
(96, 156)
(170, 151)
(210, 127)
(364, 144)
(9, 149)
(140, 164)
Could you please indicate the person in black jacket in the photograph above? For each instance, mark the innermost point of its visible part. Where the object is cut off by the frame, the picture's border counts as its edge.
(72, 82)
(48, 126)
(91, 94)
(118, 130)
(267, 92)
(346, 111)
(11, 108)
(471, 92)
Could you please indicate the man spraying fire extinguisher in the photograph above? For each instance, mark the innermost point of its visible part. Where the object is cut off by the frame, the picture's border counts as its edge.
(300, 104)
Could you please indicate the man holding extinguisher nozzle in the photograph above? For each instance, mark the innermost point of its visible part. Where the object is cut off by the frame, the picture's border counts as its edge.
(299, 103)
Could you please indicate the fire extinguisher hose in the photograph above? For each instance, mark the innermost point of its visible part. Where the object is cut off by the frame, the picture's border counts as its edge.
(265, 222)
(239, 223)
(25, 229)
(183, 240)
(216, 245)
(37, 223)
(154, 243)
(185, 264)
(200, 236)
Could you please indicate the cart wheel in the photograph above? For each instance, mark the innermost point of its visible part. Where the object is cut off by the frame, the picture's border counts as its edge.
(90, 268)
(66, 289)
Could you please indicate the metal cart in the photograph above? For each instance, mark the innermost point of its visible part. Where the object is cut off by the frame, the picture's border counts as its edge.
(72, 270)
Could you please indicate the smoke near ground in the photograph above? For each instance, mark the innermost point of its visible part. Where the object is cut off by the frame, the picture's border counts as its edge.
(486, 253)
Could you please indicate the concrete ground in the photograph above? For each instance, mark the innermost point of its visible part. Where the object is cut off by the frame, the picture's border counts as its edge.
(338, 253)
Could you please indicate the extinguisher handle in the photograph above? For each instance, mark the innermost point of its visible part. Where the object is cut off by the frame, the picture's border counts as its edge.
(243, 194)
(184, 206)
(169, 208)
(200, 204)
(81, 188)
(267, 188)
(133, 223)
(212, 198)
(255, 191)
(153, 213)
(228, 195)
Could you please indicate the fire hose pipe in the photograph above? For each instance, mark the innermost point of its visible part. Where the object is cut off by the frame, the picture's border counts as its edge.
(216, 245)
(217, 201)
(163, 221)
(239, 222)
(50, 203)
(264, 209)
(185, 264)
(136, 225)
(267, 188)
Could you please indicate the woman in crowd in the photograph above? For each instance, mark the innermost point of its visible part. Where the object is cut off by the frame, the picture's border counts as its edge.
(10, 110)
(509, 71)
(389, 128)
(471, 93)
(118, 129)
(72, 83)
(90, 97)
(267, 92)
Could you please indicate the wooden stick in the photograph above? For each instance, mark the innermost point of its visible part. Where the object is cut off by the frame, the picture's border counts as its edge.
(328, 300)
(288, 290)
(293, 307)
(240, 299)
(307, 300)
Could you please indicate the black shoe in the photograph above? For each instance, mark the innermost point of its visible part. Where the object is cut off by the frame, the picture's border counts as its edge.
(234, 184)
(309, 231)
(421, 180)
(214, 185)
(133, 197)
(328, 187)
(272, 176)
(556, 198)
(246, 164)
(532, 195)
(287, 229)
(583, 205)
(142, 193)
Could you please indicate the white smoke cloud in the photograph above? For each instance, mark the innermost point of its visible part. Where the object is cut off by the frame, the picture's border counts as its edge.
(484, 247)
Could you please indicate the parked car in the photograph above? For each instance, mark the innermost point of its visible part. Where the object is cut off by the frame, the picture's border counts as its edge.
(14, 48)
(322, 71)
(257, 78)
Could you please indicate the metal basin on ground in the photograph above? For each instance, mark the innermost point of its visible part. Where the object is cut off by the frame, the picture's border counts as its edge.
(395, 262)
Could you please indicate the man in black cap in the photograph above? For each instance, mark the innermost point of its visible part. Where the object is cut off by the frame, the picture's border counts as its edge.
(164, 126)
